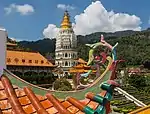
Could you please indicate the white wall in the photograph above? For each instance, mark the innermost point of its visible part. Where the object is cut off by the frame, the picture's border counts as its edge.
(3, 39)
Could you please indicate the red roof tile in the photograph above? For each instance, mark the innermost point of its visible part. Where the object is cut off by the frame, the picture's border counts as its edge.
(14, 100)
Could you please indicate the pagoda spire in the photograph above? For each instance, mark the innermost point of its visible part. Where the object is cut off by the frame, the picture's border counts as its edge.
(65, 24)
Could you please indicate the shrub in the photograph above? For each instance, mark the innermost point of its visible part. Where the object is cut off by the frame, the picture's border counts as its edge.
(62, 85)
(117, 109)
(138, 81)
(84, 81)
(125, 111)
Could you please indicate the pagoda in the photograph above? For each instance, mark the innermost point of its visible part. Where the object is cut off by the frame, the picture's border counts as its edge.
(81, 67)
(66, 44)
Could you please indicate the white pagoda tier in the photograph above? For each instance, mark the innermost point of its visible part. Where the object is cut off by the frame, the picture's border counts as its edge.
(66, 44)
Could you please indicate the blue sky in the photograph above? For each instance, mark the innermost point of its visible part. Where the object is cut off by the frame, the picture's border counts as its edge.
(30, 26)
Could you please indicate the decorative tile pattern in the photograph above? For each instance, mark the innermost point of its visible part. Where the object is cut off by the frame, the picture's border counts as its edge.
(9, 95)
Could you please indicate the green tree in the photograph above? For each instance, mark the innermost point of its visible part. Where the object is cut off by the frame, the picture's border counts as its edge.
(138, 81)
(62, 85)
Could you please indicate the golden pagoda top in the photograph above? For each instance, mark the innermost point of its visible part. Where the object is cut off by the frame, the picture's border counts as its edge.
(65, 24)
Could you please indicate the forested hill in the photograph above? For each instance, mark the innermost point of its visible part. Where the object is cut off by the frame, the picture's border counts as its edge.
(48, 45)
(133, 46)
(43, 46)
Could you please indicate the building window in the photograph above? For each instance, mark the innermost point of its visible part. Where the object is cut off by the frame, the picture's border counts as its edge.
(42, 61)
(66, 63)
(36, 61)
(8, 60)
(72, 64)
(66, 55)
(66, 73)
(23, 60)
(30, 61)
(73, 55)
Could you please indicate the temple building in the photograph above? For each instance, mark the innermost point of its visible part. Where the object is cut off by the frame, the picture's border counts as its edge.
(11, 46)
(25, 63)
(66, 44)
(81, 67)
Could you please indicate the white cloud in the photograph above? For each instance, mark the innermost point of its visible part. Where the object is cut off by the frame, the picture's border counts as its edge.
(65, 7)
(25, 9)
(50, 31)
(96, 18)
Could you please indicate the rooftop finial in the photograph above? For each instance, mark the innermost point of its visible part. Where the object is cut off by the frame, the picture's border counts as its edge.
(66, 21)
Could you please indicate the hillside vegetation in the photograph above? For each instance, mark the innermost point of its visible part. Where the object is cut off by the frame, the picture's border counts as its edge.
(134, 47)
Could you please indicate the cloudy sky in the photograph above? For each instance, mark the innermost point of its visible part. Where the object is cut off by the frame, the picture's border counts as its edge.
(36, 19)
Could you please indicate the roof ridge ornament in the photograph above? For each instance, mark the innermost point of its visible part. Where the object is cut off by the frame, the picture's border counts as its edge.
(66, 24)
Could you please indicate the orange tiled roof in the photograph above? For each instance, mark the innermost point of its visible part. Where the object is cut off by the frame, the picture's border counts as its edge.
(14, 100)
(88, 70)
(19, 58)
(80, 60)
(144, 110)
(79, 70)
(82, 66)
(76, 70)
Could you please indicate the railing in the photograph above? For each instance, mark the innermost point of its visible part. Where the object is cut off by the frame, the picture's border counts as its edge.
(130, 97)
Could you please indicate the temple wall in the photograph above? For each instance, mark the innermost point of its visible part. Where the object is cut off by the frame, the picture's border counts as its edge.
(3, 40)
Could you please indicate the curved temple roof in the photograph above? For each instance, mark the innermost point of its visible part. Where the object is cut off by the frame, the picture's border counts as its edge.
(21, 101)
(20, 58)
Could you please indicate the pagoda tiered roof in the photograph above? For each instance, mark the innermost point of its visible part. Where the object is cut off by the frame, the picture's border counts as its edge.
(81, 67)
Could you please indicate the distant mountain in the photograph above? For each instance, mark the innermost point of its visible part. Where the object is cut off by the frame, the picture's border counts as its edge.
(94, 37)
(43, 46)
(134, 46)
(48, 45)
